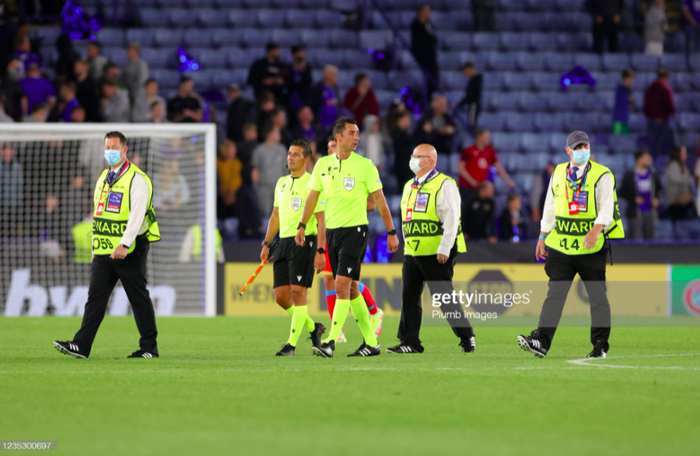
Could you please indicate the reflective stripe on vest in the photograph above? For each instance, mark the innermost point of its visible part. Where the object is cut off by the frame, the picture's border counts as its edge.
(112, 208)
(570, 230)
(422, 229)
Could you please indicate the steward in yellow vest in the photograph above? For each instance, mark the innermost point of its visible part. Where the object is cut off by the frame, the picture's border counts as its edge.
(430, 219)
(580, 214)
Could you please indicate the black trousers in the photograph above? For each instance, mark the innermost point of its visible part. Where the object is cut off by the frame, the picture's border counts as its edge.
(416, 271)
(561, 270)
(607, 30)
(103, 277)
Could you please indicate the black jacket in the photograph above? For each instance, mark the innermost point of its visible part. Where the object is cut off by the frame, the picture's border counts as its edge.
(424, 43)
(240, 111)
(478, 218)
(474, 89)
(628, 190)
(605, 8)
(506, 230)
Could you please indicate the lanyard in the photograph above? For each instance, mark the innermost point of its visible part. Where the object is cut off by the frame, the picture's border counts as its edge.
(573, 183)
(415, 185)
(115, 177)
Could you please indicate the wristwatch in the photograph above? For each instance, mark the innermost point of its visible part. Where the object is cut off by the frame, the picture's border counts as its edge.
(301, 225)
(125, 246)
(321, 250)
(392, 232)
(267, 244)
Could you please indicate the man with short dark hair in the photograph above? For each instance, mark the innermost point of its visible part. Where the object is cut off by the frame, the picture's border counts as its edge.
(278, 118)
(295, 264)
(347, 179)
(36, 88)
(623, 100)
(641, 187)
(68, 101)
(424, 45)
(135, 73)
(124, 225)
(472, 98)
(38, 115)
(96, 61)
(240, 111)
(114, 106)
(659, 109)
(142, 106)
(87, 91)
(184, 107)
(299, 80)
(269, 73)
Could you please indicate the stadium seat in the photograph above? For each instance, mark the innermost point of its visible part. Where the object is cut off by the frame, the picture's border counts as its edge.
(328, 19)
(211, 18)
(536, 162)
(170, 3)
(559, 62)
(524, 181)
(643, 62)
(375, 39)
(505, 142)
(606, 81)
(517, 81)
(511, 41)
(356, 58)
(541, 5)
(589, 102)
(240, 58)
(502, 61)
(213, 58)
(228, 77)
(284, 4)
(344, 38)
(399, 19)
(588, 61)
(631, 42)
(642, 81)
(315, 4)
(516, 122)
(557, 101)
(181, 17)
(315, 38)
(543, 42)
(548, 123)
(531, 61)
(165, 78)
(674, 62)
(500, 101)
(623, 144)
(267, 18)
(546, 81)
(229, 3)
(449, 60)
(456, 41)
(228, 37)
(322, 56)
(257, 37)
(557, 143)
(506, 22)
(202, 79)
(453, 20)
(493, 81)
(527, 22)
(483, 41)
(199, 37)
(144, 36)
(680, 81)
(534, 143)
(290, 37)
(408, 62)
(378, 79)
(111, 37)
(511, 161)
(638, 123)
(452, 80)
(159, 58)
(257, 3)
(240, 18)
(115, 54)
(199, 3)
(531, 101)
(151, 17)
(168, 37)
(302, 19)
(492, 121)
(688, 122)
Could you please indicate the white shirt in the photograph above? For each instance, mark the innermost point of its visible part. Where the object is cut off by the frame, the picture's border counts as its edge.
(603, 197)
(447, 208)
(137, 224)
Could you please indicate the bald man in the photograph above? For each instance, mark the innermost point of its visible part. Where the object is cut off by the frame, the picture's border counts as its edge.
(430, 215)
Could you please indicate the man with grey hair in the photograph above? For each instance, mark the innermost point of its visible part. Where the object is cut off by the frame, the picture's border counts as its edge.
(580, 215)
(135, 72)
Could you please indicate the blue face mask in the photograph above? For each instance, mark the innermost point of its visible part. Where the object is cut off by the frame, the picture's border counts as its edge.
(113, 157)
(581, 156)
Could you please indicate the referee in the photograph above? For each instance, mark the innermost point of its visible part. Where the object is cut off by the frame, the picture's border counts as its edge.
(346, 179)
(294, 265)
(580, 213)
(430, 215)
(124, 224)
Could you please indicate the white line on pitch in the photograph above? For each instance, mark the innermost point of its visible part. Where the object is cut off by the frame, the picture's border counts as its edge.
(588, 361)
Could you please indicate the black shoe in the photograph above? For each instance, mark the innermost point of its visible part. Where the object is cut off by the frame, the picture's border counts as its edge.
(599, 350)
(142, 354)
(69, 348)
(402, 348)
(316, 335)
(366, 350)
(534, 346)
(468, 345)
(287, 350)
(325, 350)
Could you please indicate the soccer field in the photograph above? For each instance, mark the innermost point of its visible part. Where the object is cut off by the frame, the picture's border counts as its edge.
(219, 389)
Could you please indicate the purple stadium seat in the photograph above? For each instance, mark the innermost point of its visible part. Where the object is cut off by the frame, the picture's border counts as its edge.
(375, 39)
(483, 41)
(503, 61)
(559, 62)
(228, 37)
(548, 123)
(688, 122)
(506, 142)
(115, 54)
(531, 101)
(506, 22)
(229, 3)
(268, 18)
(616, 62)
(239, 18)
(199, 37)
(643, 62)
(213, 58)
(199, 3)
(328, 19)
(531, 61)
(282, 4)
(631, 42)
(517, 81)
(344, 38)
(589, 61)
(211, 18)
(315, 4)
(151, 17)
(257, 37)
(516, 122)
(528, 22)
(315, 38)
(493, 81)
(546, 81)
(511, 41)
(297, 18)
(492, 121)
(456, 41)
(287, 38)
(543, 42)
(501, 101)
(181, 17)
(168, 37)
(111, 37)
(159, 58)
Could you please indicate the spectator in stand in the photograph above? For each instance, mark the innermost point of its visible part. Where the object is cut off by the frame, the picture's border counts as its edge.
(37, 89)
(248, 143)
(266, 106)
(240, 111)
(679, 183)
(691, 14)
(278, 119)
(659, 109)
(361, 99)
(299, 80)
(114, 106)
(607, 15)
(442, 125)
(96, 61)
(23, 52)
(4, 118)
(87, 91)
(623, 100)
(484, 15)
(655, 26)
(270, 163)
(143, 106)
(135, 73)
(13, 71)
(11, 181)
(512, 226)
(38, 115)
(476, 161)
(538, 192)
(67, 57)
(424, 45)
(170, 189)
(324, 100)
(78, 115)
(185, 107)
(396, 110)
(472, 99)
(68, 101)
(269, 74)
(157, 112)
(403, 148)
(478, 216)
(641, 188)
(305, 128)
(229, 169)
(15, 101)
(697, 180)
(371, 143)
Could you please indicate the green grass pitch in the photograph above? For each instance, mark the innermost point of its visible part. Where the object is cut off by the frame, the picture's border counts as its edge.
(218, 389)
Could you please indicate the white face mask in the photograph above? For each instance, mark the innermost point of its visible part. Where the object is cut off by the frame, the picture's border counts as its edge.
(414, 164)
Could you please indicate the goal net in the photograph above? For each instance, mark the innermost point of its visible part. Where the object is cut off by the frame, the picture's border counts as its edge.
(47, 178)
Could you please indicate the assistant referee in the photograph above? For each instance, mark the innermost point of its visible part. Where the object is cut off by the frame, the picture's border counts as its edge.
(123, 227)
(346, 179)
(580, 214)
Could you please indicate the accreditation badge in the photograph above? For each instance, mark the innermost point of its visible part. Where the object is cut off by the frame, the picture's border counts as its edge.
(114, 202)
(582, 201)
(422, 202)
(100, 208)
(573, 208)
(409, 214)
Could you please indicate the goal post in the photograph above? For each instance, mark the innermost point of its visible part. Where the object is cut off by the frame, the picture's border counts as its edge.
(47, 178)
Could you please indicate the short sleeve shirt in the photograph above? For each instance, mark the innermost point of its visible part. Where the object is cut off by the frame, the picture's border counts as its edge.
(346, 185)
(477, 163)
(290, 197)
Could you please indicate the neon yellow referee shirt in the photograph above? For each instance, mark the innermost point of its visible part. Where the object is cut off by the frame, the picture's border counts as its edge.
(290, 197)
(346, 185)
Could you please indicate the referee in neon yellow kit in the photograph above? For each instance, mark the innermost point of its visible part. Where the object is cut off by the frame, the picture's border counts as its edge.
(580, 215)
(124, 224)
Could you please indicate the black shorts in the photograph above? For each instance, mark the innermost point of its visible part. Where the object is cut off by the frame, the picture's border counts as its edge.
(294, 265)
(346, 250)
